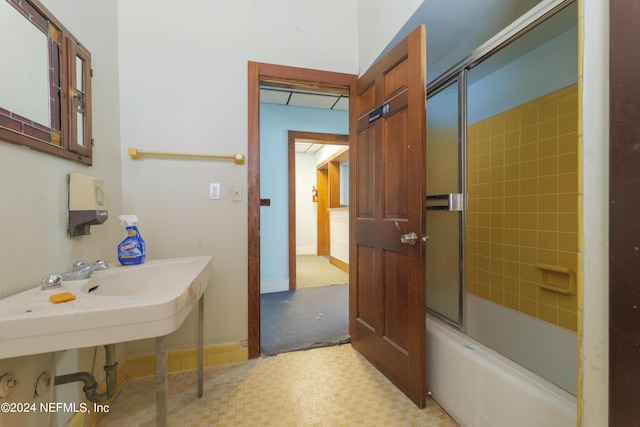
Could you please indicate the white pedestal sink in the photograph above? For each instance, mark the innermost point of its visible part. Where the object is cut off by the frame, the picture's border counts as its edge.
(122, 303)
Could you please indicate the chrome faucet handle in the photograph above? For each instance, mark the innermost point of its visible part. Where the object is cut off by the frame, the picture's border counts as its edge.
(79, 265)
(100, 265)
(51, 281)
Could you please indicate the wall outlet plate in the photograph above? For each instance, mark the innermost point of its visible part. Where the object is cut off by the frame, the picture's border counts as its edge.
(214, 191)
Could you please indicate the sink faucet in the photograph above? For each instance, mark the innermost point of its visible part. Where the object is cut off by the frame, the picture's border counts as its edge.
(81, 270)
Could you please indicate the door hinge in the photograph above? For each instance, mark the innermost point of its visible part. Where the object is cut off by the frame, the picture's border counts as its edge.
(91, 72)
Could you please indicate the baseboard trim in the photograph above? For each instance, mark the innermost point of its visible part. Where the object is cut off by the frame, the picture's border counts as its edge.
(339, 263)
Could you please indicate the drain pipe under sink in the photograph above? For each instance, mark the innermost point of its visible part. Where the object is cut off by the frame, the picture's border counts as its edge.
(90, 383)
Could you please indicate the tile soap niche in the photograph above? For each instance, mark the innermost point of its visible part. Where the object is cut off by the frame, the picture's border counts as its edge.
(557, 279)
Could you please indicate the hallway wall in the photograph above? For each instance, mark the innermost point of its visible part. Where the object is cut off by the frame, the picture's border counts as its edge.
(275, 123)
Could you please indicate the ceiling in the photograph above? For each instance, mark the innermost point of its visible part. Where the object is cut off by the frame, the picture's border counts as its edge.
(306, 98)
(455, 29)
(308, 146)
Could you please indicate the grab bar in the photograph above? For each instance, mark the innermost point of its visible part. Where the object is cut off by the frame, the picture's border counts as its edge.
(455, 202)
(136, 154)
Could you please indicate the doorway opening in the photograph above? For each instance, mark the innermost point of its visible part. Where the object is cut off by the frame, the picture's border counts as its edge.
(284, 77)
(312, 311)
(318, 197)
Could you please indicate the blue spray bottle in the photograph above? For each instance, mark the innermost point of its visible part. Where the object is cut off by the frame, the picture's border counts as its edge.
(131, 250)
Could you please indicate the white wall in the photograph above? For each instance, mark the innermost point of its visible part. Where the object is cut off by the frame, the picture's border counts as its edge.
(183, 69)
(339, 234)
(33, 238)
(378, 23)
(594, 363)
(327, 151)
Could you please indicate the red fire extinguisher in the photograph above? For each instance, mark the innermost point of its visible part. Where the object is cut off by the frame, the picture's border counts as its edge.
(314, 195)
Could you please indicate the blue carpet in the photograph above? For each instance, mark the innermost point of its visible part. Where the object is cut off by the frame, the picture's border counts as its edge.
(304, 318)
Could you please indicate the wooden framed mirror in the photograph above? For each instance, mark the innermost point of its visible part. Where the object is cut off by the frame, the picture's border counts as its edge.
(45, 87)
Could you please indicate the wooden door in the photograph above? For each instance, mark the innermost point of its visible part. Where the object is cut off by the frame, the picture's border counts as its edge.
(387, 276)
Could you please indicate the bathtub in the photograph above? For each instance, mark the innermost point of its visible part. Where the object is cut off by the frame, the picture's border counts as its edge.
(480, 388)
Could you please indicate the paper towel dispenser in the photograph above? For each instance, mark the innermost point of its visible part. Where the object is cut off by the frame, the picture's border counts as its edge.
(86, 204)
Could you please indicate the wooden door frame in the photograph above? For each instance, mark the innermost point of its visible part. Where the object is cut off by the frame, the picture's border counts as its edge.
(324, 138)
(624, 228)
(323, 245)
(262, 73)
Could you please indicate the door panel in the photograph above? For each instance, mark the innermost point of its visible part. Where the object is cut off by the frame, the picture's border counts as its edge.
(395, 79)
(367, 99)
(387, 283)
(367, 297)
(395, 156)
(396, 294)
(366, 159)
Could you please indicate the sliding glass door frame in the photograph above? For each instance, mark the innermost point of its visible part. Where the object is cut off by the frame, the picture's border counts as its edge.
(459, 79)
(458, 73)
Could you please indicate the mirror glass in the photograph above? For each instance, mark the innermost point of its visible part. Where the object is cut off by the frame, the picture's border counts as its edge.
(344, 184)
(80, 101)
(24, 79)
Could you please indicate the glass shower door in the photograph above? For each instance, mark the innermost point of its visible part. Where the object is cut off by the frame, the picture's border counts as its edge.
(445, 204)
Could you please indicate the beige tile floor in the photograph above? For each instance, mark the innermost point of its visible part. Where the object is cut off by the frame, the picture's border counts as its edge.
(331, 386)
(312, 271)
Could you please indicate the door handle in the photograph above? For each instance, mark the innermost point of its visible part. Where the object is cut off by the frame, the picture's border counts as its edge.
(454, 202)
(409, 238)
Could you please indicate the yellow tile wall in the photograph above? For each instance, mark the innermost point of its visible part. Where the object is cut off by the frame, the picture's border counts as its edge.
(523, 186)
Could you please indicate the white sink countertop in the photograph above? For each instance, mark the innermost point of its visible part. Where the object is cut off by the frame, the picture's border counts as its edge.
(122, 303)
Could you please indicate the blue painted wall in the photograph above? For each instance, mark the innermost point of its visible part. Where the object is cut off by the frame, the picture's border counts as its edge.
(544, 70)
(275, 123)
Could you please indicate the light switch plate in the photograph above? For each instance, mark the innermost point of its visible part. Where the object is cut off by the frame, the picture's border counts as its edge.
(236, 193)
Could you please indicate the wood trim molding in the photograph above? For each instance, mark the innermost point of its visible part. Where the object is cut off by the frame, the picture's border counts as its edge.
(624, 227)
(253, 202)
(291, 154)
(322, 229)
(339, 263)
(258, 73)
